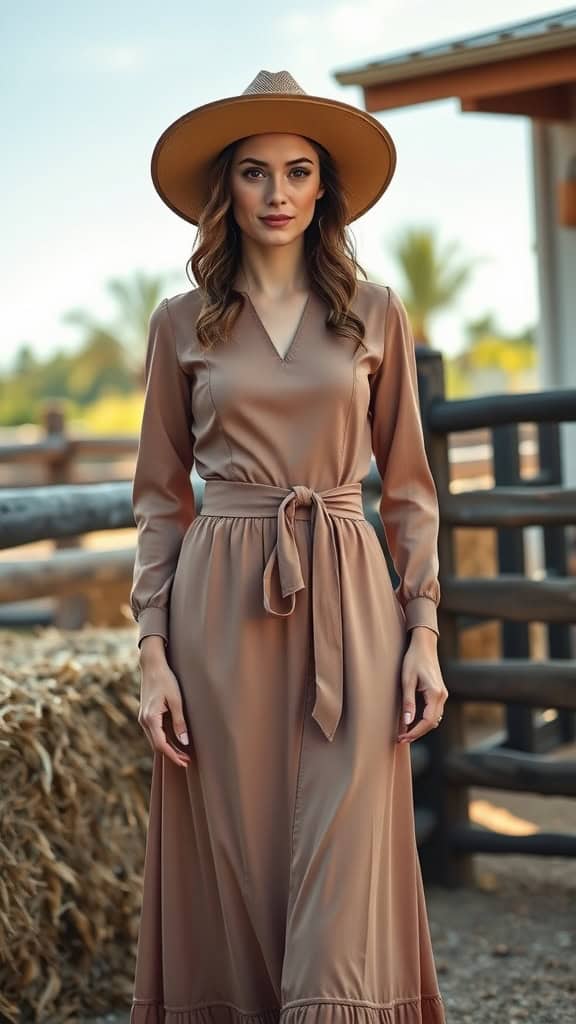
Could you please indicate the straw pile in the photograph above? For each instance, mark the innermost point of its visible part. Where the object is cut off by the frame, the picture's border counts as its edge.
(75, 769)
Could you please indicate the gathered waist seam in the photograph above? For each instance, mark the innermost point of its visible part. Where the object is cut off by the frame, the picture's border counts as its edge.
(234, 498)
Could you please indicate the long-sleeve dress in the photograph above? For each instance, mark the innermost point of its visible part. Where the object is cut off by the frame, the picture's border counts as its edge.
(281, 874)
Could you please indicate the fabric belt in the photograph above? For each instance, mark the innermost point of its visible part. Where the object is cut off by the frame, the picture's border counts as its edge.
(239, 498)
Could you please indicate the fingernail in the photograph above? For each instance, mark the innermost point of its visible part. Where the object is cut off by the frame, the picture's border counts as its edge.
(407, 717)
(183, 737)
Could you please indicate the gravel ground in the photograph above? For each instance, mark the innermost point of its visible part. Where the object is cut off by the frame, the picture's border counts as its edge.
(506, 950)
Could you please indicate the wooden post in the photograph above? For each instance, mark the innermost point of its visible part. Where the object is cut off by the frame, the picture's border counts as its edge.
(70, 611)
(556, 559)
(441, 862)
(521, 733)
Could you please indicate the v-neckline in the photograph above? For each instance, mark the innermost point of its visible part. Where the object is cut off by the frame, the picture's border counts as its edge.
(295, 337)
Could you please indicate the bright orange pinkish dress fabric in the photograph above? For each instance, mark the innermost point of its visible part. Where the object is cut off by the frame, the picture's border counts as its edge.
(282, 879)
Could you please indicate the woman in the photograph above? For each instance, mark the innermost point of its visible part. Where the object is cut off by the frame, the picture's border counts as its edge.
(281, 872)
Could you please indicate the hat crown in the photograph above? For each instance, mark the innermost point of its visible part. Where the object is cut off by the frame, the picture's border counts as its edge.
(274, 82)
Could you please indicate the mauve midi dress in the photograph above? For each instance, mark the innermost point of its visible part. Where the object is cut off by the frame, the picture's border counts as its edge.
(281, 874)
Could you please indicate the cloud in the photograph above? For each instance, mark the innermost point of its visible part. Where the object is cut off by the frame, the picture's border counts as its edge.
(118, 58)
(347, 31)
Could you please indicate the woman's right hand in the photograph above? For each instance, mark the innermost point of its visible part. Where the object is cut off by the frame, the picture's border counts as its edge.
(159, 693)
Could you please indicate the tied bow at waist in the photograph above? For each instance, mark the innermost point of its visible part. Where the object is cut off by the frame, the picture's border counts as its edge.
(237, 498)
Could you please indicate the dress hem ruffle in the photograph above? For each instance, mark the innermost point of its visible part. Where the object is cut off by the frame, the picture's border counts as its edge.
(426, 1009)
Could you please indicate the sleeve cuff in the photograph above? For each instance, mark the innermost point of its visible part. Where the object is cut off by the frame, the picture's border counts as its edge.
(153, 621)
(422, 611)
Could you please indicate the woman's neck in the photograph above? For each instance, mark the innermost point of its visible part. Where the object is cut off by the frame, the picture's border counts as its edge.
(272, 274)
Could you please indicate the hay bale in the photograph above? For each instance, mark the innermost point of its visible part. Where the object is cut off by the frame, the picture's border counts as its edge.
(75, 769)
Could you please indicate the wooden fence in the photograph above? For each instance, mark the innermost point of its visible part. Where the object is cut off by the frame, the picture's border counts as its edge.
(510, 761)
(443, 766)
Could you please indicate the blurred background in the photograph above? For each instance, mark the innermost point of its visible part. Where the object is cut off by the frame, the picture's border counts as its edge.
(89, 247)
(477, 233)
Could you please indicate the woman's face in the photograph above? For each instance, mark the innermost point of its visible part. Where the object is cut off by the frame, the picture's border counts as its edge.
(274, 175)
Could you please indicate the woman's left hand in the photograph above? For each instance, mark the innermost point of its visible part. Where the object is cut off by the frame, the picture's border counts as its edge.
(421, 671)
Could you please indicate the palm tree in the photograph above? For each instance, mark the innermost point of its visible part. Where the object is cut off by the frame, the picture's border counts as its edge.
(433, 277)
(135, 300)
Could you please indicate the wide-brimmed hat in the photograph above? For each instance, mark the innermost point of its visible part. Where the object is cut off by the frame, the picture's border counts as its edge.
(361, 147)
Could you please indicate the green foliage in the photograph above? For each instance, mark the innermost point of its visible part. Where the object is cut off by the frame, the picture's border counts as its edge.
(457, 382)
(434, 276)
(490, 348)
(135, 299)
(80, 377)
(111, 414)
(108, 361)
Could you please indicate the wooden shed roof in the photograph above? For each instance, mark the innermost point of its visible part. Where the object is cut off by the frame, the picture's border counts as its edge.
(526, 67)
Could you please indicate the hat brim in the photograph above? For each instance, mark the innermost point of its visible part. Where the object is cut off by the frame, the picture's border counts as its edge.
(361, 147)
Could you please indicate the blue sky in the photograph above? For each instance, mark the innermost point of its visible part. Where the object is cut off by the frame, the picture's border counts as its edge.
(87, 89)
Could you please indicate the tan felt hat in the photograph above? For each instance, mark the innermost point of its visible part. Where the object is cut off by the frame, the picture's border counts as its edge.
(363, 150)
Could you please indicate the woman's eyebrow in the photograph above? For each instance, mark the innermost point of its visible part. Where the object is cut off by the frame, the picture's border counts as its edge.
(264, 163)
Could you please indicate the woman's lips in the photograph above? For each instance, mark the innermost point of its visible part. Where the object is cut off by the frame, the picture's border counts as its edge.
(276, 222)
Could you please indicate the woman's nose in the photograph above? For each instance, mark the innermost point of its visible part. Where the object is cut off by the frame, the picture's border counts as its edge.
(275, 191)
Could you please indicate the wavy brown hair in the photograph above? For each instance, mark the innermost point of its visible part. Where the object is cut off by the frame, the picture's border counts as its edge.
(328, 247)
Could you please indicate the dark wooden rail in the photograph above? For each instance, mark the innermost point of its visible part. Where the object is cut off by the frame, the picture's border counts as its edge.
(526, 682)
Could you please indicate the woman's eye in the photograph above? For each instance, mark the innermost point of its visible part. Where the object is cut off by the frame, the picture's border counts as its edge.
(302, 172)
